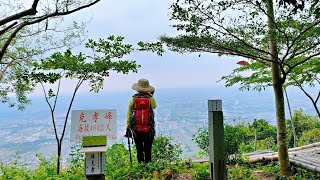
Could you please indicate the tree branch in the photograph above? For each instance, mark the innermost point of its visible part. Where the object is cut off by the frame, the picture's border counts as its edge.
(301, 62)
(52, 112)
(31, 11)
(232, 35)
(2, 72)
(314, 102)
(275, 24)
(7, 28)
(220, 49)
(303, 51)
(318, 96)
(304, 31)
(13, 35)
(55, 100)
(70, 105)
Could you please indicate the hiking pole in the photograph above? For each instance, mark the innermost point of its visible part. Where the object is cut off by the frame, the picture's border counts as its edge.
(129, 147)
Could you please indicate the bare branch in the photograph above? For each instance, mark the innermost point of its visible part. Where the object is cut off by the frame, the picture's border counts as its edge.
(56, 98)
(314, 102)
(52, 112)
(7, 28)
(70, 105)
(31, 11)
(318, 96)
(22, 25)
(45, 96)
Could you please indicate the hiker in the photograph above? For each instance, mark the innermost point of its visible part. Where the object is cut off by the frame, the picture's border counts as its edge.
(140, 119)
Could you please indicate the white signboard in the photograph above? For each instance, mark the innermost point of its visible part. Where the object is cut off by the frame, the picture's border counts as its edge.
(93, 123)
(94, 163)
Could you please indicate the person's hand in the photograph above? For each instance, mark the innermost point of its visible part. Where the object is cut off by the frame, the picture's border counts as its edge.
(128, 133)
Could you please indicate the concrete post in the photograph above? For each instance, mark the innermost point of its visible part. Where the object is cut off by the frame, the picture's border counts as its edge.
(94, 165)
(94, 148)
(216, 141)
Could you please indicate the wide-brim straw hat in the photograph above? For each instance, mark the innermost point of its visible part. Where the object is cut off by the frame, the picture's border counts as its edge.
(143, 86)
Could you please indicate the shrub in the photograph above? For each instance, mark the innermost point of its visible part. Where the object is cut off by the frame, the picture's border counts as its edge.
(233, 137)
(163, 149)
(201, 138)
(267, 143)
(271, 170)
(240, 172)
(302, 122)
(200, 171)
(118, 165)
(309, 137)
(264, 129)
(164, 155)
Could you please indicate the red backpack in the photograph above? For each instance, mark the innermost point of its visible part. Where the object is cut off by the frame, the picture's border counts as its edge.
(142, 113)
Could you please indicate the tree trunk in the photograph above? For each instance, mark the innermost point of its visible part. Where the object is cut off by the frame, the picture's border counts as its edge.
(291, 120)
(316, 108)
(255, 140)
(281, 122)
(277, 83)
(59, 157)
(255, 134)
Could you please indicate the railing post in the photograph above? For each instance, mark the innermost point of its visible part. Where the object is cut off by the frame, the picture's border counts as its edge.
(217, 161)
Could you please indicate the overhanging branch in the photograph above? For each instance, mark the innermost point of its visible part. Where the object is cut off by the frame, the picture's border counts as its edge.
(26, 23)
(294, 54)
(28, 12)
(7, 28)
(303, 61)
(233, 35)
(303, 32)
(276, 26)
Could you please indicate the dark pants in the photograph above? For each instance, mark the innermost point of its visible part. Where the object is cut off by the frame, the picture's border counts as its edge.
(144, 144)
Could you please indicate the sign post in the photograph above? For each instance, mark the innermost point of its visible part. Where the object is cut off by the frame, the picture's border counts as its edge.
(93, 127)
(94, 148)
(216, 141)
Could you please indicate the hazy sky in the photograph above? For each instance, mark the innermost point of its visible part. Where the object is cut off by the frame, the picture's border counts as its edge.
(145, 20)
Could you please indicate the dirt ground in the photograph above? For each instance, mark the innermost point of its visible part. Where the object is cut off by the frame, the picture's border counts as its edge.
(259, 175)
(184, 176)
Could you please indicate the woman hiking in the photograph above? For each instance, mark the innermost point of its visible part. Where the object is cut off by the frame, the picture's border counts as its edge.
(140, 119)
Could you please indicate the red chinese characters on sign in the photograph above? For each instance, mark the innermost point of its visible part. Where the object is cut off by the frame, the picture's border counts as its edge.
(93, 123)
(82, 118)
(95, 116)
(83, 126)
(108, 116)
